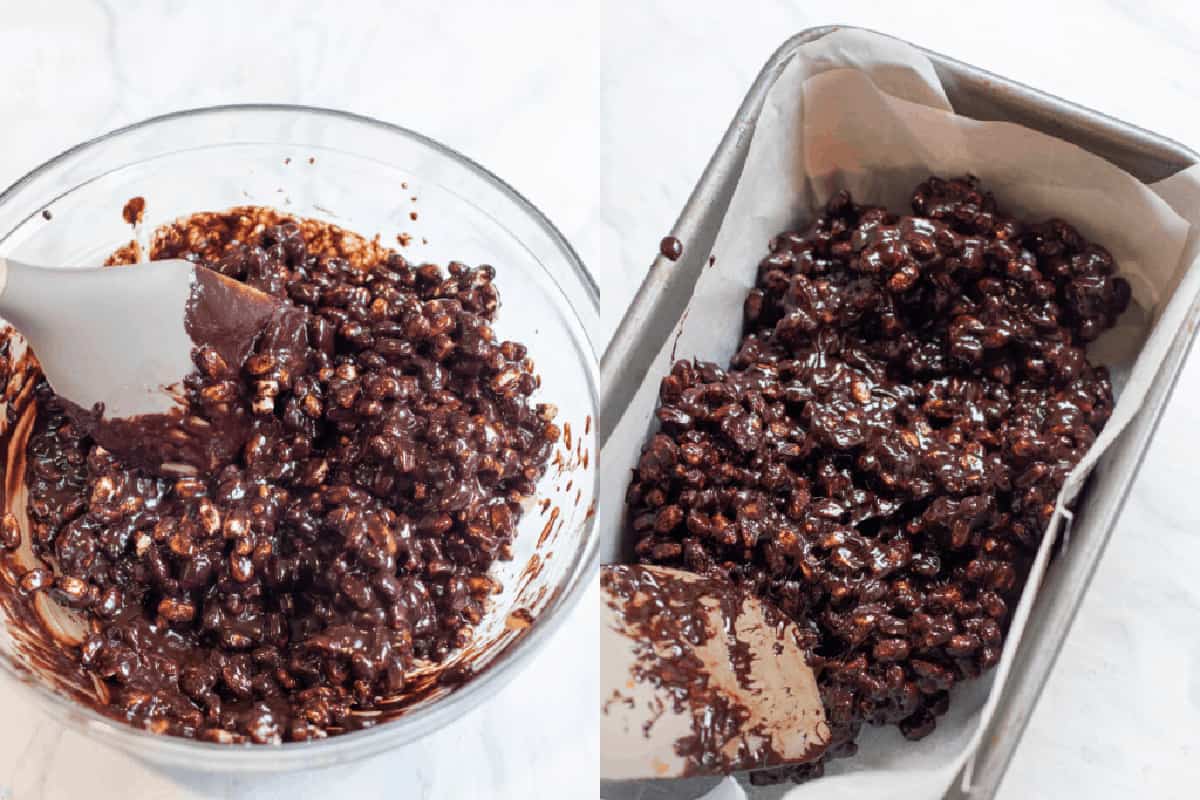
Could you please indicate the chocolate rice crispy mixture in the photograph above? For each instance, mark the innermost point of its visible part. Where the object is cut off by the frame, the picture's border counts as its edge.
(882, 456)
(347, 547)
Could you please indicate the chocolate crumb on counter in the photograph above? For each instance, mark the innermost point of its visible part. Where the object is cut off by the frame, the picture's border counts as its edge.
(346, 549)
(885, 450)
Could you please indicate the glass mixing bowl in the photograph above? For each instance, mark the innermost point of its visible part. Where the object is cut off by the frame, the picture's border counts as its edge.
(372, 178)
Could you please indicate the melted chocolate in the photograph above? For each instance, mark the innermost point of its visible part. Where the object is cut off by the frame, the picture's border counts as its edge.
(211, 423)
(134, 210)
(671, 248)
(671, 617)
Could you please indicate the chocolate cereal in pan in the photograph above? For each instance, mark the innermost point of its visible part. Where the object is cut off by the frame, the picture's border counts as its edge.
(882, 455)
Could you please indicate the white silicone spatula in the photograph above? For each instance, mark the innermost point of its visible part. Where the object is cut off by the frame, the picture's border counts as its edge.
(697, 677)
(123, 337)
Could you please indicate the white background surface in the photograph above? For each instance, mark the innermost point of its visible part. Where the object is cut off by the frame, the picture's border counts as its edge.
(604, 115)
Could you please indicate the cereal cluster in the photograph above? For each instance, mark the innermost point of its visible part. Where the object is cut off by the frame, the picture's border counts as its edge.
(883, 454)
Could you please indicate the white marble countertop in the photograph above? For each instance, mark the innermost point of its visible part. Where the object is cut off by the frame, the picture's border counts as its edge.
(604, 118)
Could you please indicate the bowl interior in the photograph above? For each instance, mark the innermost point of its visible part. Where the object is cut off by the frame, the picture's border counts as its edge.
(375, 180)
